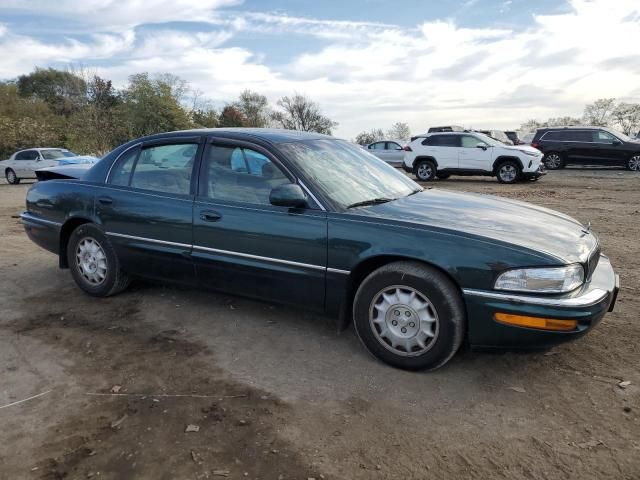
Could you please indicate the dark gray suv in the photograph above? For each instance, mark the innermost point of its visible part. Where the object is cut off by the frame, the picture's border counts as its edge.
(587, 146)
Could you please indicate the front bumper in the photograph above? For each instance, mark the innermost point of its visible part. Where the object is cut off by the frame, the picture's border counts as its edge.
(587, 305)
(536, 173)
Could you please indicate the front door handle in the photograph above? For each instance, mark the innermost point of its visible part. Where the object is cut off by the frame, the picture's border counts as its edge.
(210, 216)
(105, 200)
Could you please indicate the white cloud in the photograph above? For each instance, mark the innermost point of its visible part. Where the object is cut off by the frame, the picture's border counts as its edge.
(371, 74)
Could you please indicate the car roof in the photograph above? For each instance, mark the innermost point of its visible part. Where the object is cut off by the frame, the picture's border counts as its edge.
(573, 127)
(272, 135)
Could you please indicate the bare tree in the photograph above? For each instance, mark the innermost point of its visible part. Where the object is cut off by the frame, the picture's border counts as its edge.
(301, 113)
(374, 135)
(627, 117)
(399, 131)
(599, 112)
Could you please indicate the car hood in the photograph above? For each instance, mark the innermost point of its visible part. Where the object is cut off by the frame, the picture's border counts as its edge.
(514, 222)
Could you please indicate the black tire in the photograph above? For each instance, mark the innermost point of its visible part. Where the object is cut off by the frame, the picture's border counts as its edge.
(553, 161)
(115, 279)
(425, 170)
(443, 176)
(445, 303)
(12, 178)
(633, 163)
(508, 172)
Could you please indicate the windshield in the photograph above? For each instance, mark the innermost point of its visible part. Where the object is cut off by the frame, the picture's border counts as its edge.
(346, 173)
(56, 154)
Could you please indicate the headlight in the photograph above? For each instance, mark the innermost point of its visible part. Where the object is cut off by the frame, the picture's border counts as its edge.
(527, 152)
(542, 280)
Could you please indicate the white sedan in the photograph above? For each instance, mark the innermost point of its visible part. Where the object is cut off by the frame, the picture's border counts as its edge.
(24, 163)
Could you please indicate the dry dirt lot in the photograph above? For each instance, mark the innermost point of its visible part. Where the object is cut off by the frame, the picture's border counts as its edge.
(278, 394)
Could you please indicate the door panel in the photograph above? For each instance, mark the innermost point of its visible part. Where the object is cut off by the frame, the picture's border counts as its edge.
(472, 157)
(147, 210)
(250, 247)
(394, 156)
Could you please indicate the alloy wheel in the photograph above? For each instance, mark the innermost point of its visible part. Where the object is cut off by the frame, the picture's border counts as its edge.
(634, 163)
(11, 177)
(403, 320)
(425, 171)
(91, 261)
(553, 161)
(508, 173)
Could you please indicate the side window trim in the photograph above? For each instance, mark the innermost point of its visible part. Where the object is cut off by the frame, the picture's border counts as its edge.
(108, 178)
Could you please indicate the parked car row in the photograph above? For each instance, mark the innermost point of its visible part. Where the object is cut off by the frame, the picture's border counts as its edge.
(314, 221)
(24, 163)
(451, 150)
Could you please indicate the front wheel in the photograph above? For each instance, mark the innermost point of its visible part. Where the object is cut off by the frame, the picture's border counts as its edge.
(93, 262)
(425, 170)
(12, 178)
(634, 163)
(509, 172)
(409, 315)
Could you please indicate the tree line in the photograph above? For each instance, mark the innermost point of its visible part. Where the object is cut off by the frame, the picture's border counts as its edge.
(605, 112)
(87, 114)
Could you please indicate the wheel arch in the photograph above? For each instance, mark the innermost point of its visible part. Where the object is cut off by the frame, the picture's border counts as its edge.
(368, 265)
(420, 158)
(505, 158)
(65, 233)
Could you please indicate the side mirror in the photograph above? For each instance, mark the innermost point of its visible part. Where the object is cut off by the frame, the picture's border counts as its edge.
(288, 195)
(617, 142)
(483, 147)
(399, 148)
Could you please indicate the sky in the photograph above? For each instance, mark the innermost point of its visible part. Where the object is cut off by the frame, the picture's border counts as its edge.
(368, 63)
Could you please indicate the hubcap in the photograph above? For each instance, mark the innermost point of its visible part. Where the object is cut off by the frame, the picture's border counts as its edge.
(403, 320)
(11, 176)
(425, 171)
(91, 261)
(553, 161)
(634, 163)
(508, 173)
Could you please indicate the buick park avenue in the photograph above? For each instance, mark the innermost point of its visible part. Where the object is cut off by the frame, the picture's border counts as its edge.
(316, 222)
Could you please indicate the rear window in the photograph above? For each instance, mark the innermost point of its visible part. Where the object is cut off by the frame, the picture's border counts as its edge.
(568, 136)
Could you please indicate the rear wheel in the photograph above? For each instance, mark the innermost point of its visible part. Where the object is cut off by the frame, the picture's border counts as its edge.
(409, 315)
(508, 172)
(634, 163)
(93, 262)
(425, 170)
(553, 161)
(11, 177)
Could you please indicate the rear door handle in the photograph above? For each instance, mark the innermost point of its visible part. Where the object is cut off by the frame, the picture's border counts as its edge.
(210, 216)
(105, 200)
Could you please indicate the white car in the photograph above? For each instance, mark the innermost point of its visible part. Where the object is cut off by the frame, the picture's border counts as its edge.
(470, 153)
(24, 163)
(390, 151)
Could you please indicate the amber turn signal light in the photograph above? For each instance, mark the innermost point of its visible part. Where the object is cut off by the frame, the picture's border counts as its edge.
(536, 322)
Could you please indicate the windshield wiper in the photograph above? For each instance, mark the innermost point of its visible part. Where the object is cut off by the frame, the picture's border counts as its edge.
(417, 190)
(373, 201)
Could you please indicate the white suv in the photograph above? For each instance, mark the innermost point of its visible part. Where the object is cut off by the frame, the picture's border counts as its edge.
(470, 153)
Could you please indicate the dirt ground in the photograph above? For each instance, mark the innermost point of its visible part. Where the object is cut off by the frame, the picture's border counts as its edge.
(276, 393)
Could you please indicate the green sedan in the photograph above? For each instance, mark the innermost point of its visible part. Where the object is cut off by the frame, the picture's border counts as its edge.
(319, 223)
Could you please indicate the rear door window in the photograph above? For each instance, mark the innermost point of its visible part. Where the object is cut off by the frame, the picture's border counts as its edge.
(442, 141)
(159, 168)
(27, 155)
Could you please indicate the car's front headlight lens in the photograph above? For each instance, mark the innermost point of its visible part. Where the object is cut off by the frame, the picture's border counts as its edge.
(527, 152)
(542, 280)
